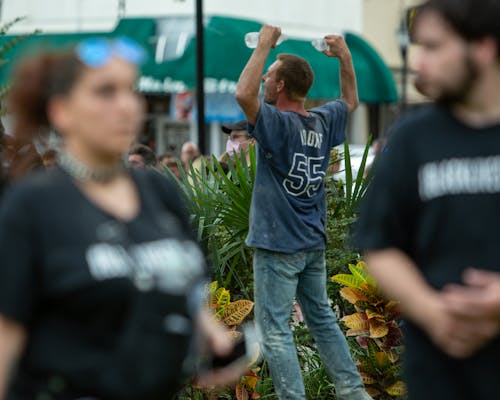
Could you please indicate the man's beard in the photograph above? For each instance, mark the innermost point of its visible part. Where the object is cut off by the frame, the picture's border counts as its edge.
(457, 95)
(269, 100)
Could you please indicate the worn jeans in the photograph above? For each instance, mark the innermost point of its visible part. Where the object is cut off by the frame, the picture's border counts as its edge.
(278, 279)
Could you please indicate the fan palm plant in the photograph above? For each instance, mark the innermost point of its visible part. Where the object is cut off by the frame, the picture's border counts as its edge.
(219, 204)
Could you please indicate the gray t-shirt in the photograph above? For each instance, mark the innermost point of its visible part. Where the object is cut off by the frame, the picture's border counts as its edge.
(288, 209)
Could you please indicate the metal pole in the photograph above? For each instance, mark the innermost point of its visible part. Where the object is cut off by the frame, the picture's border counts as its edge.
(404, 42)
(200, 75)
(404, 80)
(121, 8)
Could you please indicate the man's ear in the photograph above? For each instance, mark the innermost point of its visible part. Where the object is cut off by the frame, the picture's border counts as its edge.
(485, 51)
(280, 86)
(57, 112)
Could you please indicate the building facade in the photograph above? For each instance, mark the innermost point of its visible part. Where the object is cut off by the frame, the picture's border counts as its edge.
(375, 20)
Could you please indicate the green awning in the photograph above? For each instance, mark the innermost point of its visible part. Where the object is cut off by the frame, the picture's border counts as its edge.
(225, 57)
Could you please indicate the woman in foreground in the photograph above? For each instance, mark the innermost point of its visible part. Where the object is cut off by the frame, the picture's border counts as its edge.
(99, 276)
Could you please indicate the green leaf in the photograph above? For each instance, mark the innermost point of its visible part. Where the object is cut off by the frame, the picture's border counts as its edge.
(348, 172)
(348, 280)
(355, 188)
(358, 272)
(360, 178)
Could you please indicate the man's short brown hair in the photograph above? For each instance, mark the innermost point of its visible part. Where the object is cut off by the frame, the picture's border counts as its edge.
(148, 155)
(297, 75)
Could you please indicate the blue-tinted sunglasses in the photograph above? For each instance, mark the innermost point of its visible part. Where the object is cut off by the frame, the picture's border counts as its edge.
(97, 52)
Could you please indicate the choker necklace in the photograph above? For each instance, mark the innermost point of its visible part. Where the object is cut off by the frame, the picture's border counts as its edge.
(82, 172)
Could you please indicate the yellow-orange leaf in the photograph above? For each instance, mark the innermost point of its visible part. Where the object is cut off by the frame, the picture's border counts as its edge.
(357, 332)
(213, 286)
(356, 321)
(352, 295)
(382, 359)
(374, 315)
(368, 289)
(378, 329)
(367, 379)
(235, 312)
(241, 392)
(391, 306)
(393, 356)
(220, 299)
(250, 381)
(397, 389)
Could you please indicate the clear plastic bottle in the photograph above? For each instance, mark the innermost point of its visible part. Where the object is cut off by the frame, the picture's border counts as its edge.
(320, 44)
(252, 39)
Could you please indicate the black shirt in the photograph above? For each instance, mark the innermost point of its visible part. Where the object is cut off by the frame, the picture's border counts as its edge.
(68, 270)
(435, 196)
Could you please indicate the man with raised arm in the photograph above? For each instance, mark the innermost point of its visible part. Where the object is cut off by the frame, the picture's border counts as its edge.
(288, 211)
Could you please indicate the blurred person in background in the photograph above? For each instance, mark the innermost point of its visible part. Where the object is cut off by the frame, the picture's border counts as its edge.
(141, 156)
(429, 224)
(100, 276)
(189, 153)
(171, 162)
(238, 140)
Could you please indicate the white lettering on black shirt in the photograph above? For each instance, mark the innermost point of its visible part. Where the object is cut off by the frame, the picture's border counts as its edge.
(172, 263)
(459, 176)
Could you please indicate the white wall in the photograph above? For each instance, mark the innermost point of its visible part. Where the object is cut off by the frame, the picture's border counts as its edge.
(306, 18)
(298, 18)
(61, 15)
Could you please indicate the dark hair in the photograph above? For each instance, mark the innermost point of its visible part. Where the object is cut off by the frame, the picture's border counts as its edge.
(49, 154)
(36, 80)
(297, 75)
(471, 19)
(145, 152)
(168, 154)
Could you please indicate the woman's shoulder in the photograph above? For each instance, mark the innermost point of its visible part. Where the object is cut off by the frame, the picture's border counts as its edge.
(157, 184)
(155, 178)
(35, 184)
(34, 192)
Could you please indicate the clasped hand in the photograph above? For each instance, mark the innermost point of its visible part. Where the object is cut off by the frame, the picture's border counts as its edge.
(464, 318)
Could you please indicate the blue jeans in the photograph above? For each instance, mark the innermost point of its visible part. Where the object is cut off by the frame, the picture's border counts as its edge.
(278, 278)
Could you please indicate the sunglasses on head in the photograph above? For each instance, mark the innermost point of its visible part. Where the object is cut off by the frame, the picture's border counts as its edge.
(97, 52)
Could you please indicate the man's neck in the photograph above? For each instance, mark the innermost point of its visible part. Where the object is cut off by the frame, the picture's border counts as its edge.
(284, 104)
(482, 107)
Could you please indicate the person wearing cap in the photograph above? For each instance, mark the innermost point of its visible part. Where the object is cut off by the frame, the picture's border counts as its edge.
(78, 242)
(238, 140)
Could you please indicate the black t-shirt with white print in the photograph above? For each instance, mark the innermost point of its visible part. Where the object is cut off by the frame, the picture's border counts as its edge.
(436, 196)
(68, 270)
